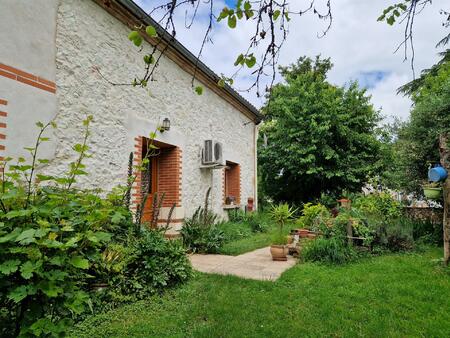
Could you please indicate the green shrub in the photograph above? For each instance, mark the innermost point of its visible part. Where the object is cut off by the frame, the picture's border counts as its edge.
(57, 242)
(314, 216)
(397, 235)
(328, 250)
(427, 232)
(237, 216)
(380, 207)
(50, 235)
(201, 233)
(257, 222)
(153, 264)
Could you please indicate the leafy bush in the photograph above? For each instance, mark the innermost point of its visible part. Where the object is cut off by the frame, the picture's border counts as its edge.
(201, 233)
(314, 216)
(396, 235)
(56, 243)
(153, 264)
(49, 237)
(389, 227)
(237, 216)
(328, 250)
(257, 222)
(427, 232)
(378, 207)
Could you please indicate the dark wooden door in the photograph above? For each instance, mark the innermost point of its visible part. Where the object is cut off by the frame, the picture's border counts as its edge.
(151, 188)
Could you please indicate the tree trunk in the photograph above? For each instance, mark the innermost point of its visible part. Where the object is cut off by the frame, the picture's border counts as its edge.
(444, 151)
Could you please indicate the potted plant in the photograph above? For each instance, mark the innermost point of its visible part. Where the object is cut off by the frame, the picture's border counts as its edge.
(280, 214)
(432, 191)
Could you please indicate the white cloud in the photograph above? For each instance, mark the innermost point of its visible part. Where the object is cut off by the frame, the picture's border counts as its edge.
(356, 43)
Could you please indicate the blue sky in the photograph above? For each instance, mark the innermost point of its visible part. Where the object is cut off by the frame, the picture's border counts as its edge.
(360, 47)
(230, 3)
(370, 79)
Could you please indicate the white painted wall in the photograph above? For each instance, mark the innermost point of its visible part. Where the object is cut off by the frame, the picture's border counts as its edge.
(27, 42)
(27, 35)
(26, 106)
(88, 37)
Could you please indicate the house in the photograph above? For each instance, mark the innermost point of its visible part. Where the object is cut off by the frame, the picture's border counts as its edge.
(58, 58)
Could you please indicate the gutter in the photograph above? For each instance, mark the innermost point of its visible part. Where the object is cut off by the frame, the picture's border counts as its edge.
(140, 14)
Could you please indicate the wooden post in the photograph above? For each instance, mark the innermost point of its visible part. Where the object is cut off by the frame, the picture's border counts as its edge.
(444, 151)
(350, 232)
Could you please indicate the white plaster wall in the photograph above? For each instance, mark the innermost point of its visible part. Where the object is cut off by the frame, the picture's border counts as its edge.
(27, 42)
(27, 35)
(88, 37)
(26, 106)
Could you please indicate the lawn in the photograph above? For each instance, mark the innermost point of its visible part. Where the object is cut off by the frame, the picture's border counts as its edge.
(246, 244)
(241, 239)
(397, 295)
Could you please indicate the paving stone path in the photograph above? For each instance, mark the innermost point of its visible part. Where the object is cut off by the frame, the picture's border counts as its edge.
(256, 264)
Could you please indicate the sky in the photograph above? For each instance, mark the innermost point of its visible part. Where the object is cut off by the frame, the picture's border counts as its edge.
(360, 48)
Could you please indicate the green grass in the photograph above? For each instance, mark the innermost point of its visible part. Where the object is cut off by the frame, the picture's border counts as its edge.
(401, 295)
(241, 239)
(253, 242)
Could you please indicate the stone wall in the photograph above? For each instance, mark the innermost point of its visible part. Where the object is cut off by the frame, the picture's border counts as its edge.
(425, 214)
(89, 39)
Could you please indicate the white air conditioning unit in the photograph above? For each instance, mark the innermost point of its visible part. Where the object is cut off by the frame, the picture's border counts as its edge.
(212, 153)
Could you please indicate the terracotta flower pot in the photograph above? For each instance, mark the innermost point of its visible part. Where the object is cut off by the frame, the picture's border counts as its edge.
(303, 233)
(279, 252)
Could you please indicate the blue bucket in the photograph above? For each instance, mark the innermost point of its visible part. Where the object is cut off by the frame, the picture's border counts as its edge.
(437, 174)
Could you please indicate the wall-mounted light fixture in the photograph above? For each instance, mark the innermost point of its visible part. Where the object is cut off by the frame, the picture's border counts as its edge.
(165, 125)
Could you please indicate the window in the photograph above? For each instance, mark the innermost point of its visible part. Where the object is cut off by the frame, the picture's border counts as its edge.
(232, 183)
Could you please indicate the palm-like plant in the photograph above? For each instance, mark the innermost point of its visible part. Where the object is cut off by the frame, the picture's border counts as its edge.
(281, 214)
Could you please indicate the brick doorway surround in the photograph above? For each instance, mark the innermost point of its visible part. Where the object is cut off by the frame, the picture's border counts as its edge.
(232, 183)
(166, 173)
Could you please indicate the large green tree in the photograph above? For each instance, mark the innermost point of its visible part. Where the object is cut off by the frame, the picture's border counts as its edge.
(417, 140)
(317, 137)
(426, 137)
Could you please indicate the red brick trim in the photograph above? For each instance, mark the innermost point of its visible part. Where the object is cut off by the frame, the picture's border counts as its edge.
(136, 189)
(232, 182)
(27, 78)
(168, 177)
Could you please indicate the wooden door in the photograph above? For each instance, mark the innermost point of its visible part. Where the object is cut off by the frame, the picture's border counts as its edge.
(151, 188)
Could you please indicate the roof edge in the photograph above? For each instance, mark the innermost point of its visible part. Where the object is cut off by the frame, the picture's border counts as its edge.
(142, 16)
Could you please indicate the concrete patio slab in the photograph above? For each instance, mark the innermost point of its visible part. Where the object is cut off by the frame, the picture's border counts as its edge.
(256, 264)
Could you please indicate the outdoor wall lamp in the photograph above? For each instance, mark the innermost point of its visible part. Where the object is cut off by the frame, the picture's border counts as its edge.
(165, 125)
